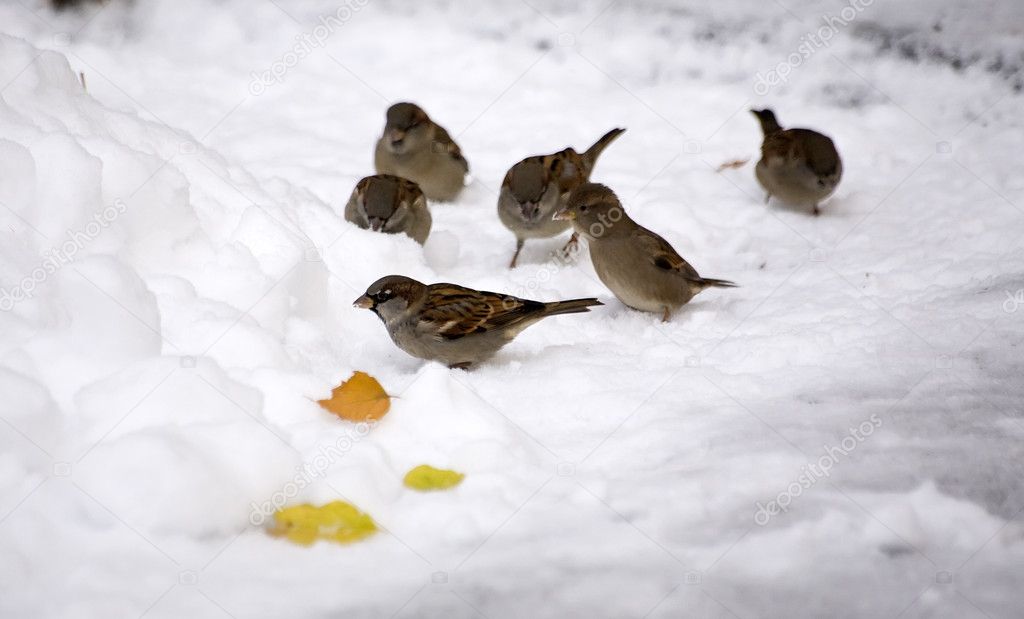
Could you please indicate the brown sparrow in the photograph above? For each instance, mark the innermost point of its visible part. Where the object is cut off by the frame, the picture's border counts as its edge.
(417, 148)
(455, 325)
(637, 265)
(387, 203)
(538, 186)
(799, 166)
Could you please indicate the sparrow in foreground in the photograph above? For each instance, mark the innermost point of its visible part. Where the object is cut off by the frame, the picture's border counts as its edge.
(799, 166)
(386, 203)
(417, 148)
(538, 186)
(455, 325)
(637, 265)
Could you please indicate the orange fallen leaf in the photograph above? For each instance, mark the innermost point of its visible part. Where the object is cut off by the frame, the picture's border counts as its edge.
(732, 163)
(360, 398)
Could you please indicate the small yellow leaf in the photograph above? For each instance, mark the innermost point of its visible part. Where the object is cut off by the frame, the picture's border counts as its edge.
(732, 163)
(425, 477)
(337, 521)
(360, 398)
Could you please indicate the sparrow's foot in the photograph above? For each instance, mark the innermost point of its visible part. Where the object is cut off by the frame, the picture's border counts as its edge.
(465, 365)
(571, 246)
(665, 315)
(816, 211)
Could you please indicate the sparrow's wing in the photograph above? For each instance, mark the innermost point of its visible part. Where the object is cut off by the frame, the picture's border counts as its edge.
(451, 312)
(410, 193)
(446, 142)
(817, 150)
(663, 255)
(779, 149)
(802, 147)
(569, 168)
(418, 202)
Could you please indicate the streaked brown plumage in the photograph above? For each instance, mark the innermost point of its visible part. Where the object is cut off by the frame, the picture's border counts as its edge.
(537, 186)
(415, 147)
(453, 324)
(391, 204)
(798, 166)
(640, 268)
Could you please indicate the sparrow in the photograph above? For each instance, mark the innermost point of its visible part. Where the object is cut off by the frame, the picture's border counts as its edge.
(417, 148)
(538, 186)
(799, 166)
(387, 203)
(640, 268)
(455, 325)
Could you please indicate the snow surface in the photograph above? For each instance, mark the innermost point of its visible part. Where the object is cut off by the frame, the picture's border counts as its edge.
(161, 379)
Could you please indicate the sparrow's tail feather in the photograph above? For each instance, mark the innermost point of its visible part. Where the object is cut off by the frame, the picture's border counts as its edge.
(769, 124)
(591, 154)
(709, 282)
(573, 306)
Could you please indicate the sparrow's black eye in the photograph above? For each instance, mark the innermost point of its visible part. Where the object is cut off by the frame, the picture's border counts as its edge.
(583, 209)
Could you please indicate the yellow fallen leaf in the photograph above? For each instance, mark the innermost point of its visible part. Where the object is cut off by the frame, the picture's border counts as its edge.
(425, 477)
(337, 521)
(732, 163)
(360, 398)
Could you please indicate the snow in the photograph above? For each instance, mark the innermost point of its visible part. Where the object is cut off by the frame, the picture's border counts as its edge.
(840, 436)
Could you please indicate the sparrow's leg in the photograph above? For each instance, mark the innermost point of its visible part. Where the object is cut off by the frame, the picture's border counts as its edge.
(816, 211)
(571, 245)
(460, 366)
(767, 197)
(515, 256)
(665, 315)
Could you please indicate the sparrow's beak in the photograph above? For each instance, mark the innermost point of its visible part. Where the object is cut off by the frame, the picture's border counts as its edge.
(564, 215)
(396, 135)
(363, 302)
(376, 224)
